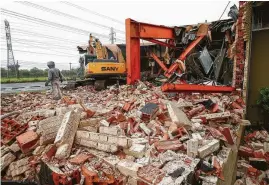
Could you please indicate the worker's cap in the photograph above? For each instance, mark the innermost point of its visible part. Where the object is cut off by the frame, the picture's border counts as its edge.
(50, 63)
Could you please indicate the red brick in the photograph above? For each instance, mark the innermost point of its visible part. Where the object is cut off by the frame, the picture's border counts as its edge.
(245, 151)
(179, 132)
(196, 110)
(79, 159)
(216, 133)
(266, 157)
(121, 117)
(258, 154)
(126, 107)
(227, 134)
(27, 140)
(236, 105)
(168, 145)
(111, 119)
(150, 174)
(89, 113)
(131, 122)
(162, 117)
(10, 129)
(50, 152)
(215, 107)
(253, 172)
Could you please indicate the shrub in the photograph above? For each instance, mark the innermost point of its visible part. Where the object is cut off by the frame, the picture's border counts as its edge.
(263, 100)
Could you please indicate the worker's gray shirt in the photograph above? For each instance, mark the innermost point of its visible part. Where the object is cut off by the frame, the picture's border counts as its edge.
(54, 74)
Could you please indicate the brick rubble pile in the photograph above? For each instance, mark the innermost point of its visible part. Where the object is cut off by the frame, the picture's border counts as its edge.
(252, 165)
(122, 135)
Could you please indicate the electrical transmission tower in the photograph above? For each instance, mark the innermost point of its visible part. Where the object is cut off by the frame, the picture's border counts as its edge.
(112, 35)
(10, 57)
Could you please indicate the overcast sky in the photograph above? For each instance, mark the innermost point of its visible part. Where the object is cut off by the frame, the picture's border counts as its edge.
(47, 43)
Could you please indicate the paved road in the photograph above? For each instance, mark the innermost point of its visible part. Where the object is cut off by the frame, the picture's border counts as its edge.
(22, 87)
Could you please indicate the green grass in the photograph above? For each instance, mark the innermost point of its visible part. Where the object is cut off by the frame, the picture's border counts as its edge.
(21, 80)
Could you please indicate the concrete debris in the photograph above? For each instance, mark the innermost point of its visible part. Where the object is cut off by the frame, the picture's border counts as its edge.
(19, 167)
(6, 160)
(177, 115)
(128, 168)
(38, 113)
(14, 147)
(66, 134)
(138, 135)
(209, 148)
(136, 150)
(48, 129)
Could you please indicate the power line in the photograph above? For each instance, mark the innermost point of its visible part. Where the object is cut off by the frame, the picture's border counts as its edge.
(51, 24)
(19, 44)
(40, 42)
(224, 10)
(64, 14)
(92, 12)
(25, 32)
(44, 48)
(41, 53)
(221, 14)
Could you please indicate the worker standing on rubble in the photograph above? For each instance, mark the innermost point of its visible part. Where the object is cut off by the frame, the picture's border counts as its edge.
(55, 77)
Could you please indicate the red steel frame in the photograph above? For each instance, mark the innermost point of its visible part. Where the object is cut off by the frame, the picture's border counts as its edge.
(138, 30)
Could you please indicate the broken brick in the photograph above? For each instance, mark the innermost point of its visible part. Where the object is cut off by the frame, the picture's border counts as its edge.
(6, 160)
(209, 148)
(48, 129)
(196, 110)
(66, 133)
(27, 141)
(245, 151)
(128, 168)
(149, 111)
(126, 107)
(227, 134)
(80, 158)
(168, 145)
(178, 116)
(150, 174)
(145, 128)
(19, 167)
(136, 150)
(214, 115)
(192, 147)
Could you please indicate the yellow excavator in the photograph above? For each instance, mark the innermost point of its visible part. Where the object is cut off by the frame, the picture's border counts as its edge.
(101, 64)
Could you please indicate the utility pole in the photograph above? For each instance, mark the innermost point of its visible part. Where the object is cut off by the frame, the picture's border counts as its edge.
(112, 35)
(70, 69)
(17, 70)
(10, 57)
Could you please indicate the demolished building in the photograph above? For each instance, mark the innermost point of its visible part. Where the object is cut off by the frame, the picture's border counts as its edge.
(140, 133)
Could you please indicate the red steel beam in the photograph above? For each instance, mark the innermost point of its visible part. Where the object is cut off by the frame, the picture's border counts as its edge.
(158, 61)
(161, 43)
(132, 53)
(169, 87)
(183, 55)
(145, 30)
(190, 47)
(134, 32)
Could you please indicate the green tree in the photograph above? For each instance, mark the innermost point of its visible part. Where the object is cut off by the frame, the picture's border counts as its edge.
(24, 73)
(35, 72)
(3, 72)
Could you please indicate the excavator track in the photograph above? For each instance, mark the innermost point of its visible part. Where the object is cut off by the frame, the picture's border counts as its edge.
(100, 85)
